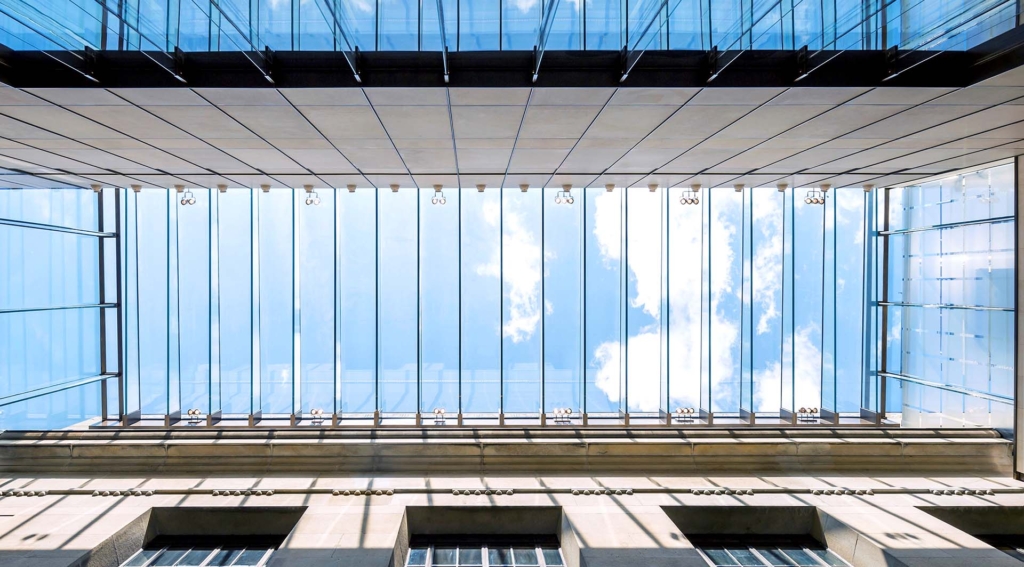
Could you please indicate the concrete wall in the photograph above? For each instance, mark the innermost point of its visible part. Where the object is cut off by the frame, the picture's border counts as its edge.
(643, 526)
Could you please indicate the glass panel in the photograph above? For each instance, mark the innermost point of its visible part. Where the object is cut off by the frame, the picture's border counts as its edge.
(521, 300)
(800, 556)
(276, 321)
(552, 557)
(775, 556)
(357, 281)
(643, 292)
(525, 556)
(417, 556)
(808, 258)
(225, 557)
(141, 557)
(439, 302)
(195, 557)
(168, 557)
(685, 283)
(193, 280)
(399, 20)
(849, 295)
(830, 559)
(316, 266)
(726, 254)
(479, 25)
(603, 240)
(444, 556)
(562, 302)
(470, 556)
(235, 267)
(744, 556)
(719, 557)
(55, 269)
(250, 558)
(767, 301)
(481, 301)
(42, 348)
(499, 556)
(73, 208)
(399, 299)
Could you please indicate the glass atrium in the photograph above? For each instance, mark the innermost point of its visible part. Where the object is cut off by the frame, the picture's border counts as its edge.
(685, 305)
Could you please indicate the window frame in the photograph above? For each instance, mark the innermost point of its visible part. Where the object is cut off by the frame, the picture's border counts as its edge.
(753, 548)
(484, 555)
(267, 553)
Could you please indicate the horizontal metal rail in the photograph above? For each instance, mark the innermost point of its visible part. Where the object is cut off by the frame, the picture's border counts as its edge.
(55, 228)
(945, 306)
(53, 388)
(993, 220)
(58, 308)
(949, 388)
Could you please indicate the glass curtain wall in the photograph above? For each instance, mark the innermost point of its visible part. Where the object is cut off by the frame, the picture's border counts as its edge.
(58, 309)
(623, 303)
(948, 303)
(473, 25)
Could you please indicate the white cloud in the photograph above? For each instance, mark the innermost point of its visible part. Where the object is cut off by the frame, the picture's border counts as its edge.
(519, 262)
(807, 378)
(767, 282)
(644, 371)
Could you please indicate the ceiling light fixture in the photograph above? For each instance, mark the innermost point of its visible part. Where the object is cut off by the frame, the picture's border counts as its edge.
(609, 187)
(394, 188)
(782, 187)
(222, 188)
(480, 187)
(265, 188)
(312, 198)
(136, 188)
(565, 195)
(524, 187)
(438, 196)
(351, 188)
(817, 196)
(690, 196)
(187, 198)
(738, 187)
(96, 188)
(868, 187)
(653, 187)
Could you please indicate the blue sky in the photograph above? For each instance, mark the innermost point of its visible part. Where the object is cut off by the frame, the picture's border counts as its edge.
(503, 303)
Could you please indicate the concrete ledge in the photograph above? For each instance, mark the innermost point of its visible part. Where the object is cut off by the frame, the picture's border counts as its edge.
(481, 450)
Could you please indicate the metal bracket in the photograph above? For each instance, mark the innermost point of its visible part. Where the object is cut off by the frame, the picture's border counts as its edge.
(179, 63)
(268, 62)
(891, 59)
(712, 62)
(801, 61)
(91, 62)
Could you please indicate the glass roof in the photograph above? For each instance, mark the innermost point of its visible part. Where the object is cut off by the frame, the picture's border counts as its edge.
(489, 25)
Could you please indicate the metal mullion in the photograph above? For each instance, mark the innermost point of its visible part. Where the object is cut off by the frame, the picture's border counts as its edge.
(56, 228)
(941, 226)
(945, 306)
(296, 313)
(209, 556)
(337, 314)
(58, 308)
(543, 315)
(760, 557)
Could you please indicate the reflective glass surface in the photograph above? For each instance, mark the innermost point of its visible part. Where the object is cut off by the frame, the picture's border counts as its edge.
(473, 25)
(951, 283)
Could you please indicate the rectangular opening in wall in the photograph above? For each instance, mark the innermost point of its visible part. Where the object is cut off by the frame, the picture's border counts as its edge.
(194, 536)
(482, 537)
(1002, 527)
(733, 536)
(768, 551)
